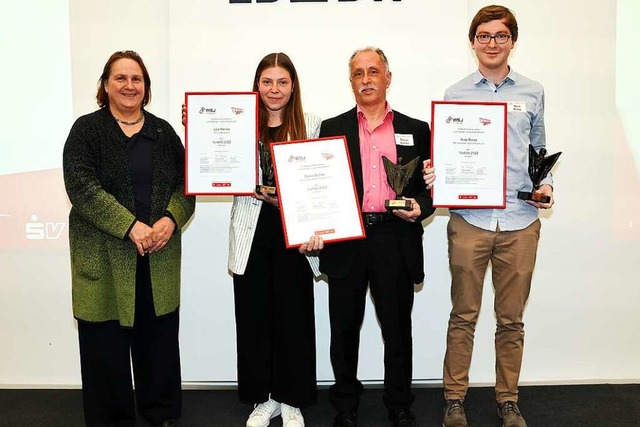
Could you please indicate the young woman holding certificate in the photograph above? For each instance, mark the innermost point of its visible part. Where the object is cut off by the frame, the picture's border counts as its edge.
(273, 286)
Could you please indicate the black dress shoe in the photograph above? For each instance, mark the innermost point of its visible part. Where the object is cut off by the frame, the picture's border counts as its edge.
(402, 417)
(169, 423)
(345, 419)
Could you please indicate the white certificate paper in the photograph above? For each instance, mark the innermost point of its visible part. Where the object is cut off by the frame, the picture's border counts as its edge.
(221, 136)
(316, 191)
(468, 152)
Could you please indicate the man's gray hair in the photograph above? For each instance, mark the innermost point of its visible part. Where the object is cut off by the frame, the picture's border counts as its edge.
(371, 49)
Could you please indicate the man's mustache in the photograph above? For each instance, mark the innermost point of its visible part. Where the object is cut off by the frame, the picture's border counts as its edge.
(367, 87)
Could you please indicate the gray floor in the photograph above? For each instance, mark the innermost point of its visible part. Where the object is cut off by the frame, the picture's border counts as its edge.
(548, 406)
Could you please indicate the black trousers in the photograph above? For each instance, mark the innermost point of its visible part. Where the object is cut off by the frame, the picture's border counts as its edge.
(106, 350)
(275, 321)
(378, 265)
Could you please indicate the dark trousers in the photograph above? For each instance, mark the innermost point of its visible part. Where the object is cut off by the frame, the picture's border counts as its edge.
(275, 322)
(152, 344)
(379, 265)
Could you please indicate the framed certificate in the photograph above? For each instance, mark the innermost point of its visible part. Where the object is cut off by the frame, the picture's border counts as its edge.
(469, 152)
(221, 137)
(317, 193)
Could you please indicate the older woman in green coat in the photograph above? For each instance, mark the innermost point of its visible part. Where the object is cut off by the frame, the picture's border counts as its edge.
(124, 175)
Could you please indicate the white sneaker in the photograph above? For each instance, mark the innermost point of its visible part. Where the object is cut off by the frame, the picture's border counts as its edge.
(262, 414)
(291, 417)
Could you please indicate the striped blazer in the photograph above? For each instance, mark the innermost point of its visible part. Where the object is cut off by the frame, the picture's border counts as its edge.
(244, 218)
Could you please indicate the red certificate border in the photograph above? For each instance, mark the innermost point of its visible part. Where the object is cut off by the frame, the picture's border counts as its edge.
(362, 234)
(186, 145)
(504, 169)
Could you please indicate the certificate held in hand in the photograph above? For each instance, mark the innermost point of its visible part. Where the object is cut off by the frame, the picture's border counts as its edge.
(316, 191)
(469, 151)
(221, 135)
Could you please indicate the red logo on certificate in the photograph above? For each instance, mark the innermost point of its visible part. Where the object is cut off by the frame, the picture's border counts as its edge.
(321, 232)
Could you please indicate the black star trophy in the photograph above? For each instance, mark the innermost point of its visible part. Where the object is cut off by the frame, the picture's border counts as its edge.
(266, 164)
(539, 166)
(398, 177)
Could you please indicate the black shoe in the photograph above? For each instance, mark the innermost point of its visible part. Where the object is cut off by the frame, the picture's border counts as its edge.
(169, 423)
(402, 417)
(345, 419)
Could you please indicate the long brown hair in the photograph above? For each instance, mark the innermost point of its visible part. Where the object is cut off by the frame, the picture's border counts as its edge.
(293, 126)
(102, 97)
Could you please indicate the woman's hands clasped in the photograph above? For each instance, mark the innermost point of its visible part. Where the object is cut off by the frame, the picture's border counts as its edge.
(149, 240)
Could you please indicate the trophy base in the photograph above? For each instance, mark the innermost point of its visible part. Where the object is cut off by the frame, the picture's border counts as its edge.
(267, 189)
(393, 204)
(534, 197)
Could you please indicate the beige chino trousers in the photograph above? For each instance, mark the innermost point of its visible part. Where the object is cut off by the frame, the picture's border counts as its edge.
(512, 255)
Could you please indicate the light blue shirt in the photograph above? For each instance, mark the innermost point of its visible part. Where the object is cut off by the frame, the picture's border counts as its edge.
(525, 125)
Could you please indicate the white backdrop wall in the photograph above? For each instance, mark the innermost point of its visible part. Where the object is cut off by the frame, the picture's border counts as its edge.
(582, 319)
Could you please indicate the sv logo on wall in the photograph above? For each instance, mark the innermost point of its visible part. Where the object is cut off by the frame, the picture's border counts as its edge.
(37, 230)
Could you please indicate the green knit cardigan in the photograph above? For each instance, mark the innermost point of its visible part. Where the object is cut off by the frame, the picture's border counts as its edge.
(97, 176)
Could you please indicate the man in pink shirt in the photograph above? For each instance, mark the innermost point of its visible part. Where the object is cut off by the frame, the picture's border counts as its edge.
(389, 261)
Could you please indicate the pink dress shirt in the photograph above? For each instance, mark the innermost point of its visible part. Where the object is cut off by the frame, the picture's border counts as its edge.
(375, 143)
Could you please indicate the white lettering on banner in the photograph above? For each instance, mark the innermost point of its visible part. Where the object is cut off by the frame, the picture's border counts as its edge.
(43, 230)
(294, 1)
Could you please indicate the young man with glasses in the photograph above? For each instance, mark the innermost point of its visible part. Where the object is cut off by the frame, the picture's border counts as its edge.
(507, 237)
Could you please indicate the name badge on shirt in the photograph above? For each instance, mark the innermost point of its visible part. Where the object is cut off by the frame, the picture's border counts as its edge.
(404, 139)
(517, 106)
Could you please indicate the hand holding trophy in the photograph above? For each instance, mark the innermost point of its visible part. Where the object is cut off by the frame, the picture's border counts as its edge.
(539, 166)
(398, 177)
(268, 185)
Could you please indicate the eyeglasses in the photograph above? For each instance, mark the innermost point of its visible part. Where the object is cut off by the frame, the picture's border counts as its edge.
(499, 38)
